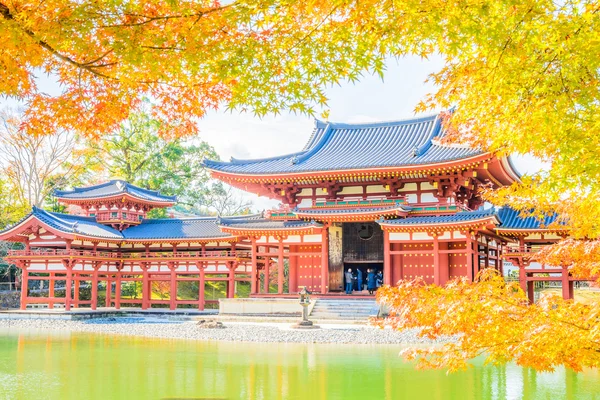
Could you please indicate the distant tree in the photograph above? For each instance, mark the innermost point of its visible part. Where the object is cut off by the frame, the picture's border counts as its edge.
(137, 153)
(226, 200)
(35, 164)
(12, 207)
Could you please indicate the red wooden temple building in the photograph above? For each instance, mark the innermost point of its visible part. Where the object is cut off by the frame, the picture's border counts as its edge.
(390, 197)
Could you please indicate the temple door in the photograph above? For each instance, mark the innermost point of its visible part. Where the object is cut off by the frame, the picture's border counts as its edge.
(309, 267)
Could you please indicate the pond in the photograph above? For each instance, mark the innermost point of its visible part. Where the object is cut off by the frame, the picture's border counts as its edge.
(39, 365)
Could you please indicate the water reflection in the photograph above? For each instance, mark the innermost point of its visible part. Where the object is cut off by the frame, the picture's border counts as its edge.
(78, 366)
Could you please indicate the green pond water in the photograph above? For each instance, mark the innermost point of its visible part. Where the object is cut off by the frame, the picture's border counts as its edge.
(38, 365)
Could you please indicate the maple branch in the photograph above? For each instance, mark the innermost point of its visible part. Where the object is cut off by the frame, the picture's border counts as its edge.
(7, 15)
(150, 19)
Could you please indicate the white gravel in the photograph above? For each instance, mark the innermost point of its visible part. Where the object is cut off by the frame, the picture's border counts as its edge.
(233, 331)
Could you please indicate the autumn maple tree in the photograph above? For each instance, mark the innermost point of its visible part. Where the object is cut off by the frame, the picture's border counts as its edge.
(523, 76)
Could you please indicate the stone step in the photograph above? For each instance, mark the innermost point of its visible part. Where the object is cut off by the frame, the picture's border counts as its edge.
(345, 306)
(344, 309)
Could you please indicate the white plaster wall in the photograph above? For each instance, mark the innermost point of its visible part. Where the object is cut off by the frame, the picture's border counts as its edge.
(421, 236)
(428, 198)
(446, 235)
(312, 239)
(399, 236)
(376, 189)
(411, 198)
(293, 239)
(408, 187)
(351, 190)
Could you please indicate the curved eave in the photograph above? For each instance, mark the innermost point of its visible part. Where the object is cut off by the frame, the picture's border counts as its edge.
(25, 223)
(18, 228)
(117, 197)
(486, 222)
(527, 232)
(287, 176)
(227, 239)
(255, 232)
(509, 168)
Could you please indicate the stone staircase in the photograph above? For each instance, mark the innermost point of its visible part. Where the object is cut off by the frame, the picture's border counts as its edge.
(344, 309)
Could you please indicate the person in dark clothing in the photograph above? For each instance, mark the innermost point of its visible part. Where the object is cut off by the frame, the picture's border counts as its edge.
(371, 286)
(379, 279)
(359, 280)
(349, 281)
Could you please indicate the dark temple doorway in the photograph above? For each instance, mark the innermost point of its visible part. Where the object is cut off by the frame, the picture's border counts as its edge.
(361, 249)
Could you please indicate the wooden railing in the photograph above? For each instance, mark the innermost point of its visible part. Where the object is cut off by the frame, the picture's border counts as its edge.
(360, 203)
(416, 208)
(103, 217)
(61, 253)
(520, 250)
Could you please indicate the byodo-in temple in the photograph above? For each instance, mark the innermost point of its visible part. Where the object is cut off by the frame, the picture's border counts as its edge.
(388, 196)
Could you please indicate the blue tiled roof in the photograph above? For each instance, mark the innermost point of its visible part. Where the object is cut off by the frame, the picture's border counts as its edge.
(264, 223)
(75, 224)
(336, 146)
(112, 188)
(463, 216)
(187, 228)
(173, 228)
(511, 219)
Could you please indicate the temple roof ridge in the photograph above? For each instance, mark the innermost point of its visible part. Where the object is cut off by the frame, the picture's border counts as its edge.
(113, 187)
(376, 124)
(335, 146)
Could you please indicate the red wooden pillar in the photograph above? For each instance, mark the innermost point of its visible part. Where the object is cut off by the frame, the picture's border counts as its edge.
(51, 290)
(24, 287)
(76, 292)
(531, 291)
(231, 279)
(145, 287)
(469, 255)
(173, 280)
(173, 288)
(266, 273)
(254, 272)
(201, 283)
(280, 269)
(293, 271)
(68, 285)
(387, 259)
(499, 259)
(95, 287)
(567, 286)
(444, 263)
(324, 260)
(437, 278)
(118, 287)
(522, 277)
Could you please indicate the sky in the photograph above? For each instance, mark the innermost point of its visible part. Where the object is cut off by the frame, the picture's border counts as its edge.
(371, 99)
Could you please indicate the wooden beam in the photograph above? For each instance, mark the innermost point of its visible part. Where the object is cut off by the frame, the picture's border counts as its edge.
(280, 269)
(324, 260)
(387, 259)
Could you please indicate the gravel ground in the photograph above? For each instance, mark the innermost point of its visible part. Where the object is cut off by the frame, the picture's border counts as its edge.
(233, 331)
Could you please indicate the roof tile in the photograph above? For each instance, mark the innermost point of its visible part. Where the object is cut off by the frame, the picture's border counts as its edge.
(335, 146)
